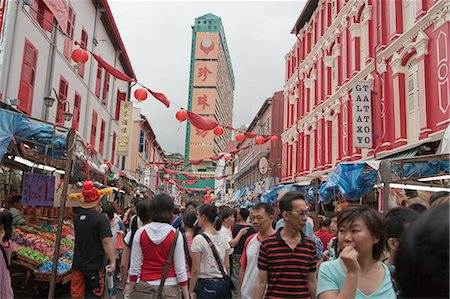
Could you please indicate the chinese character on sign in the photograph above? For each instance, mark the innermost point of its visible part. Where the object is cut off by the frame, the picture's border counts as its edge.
(203, 101)
(203, 73)
(201, 132)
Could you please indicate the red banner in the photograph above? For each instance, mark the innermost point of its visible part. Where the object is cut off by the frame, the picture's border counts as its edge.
(60, 10)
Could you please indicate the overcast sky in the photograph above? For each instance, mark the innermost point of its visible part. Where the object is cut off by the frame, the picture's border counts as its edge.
(157, 36)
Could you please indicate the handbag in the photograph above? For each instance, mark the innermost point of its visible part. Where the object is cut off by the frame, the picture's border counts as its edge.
(219, 264)
(168, 263)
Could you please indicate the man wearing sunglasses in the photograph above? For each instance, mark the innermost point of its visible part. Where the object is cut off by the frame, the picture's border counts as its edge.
(287, 260)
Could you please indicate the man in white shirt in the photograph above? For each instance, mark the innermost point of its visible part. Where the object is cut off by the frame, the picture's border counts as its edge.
(262, 218)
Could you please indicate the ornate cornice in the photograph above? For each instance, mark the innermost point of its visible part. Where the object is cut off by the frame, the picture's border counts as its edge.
(421, 46)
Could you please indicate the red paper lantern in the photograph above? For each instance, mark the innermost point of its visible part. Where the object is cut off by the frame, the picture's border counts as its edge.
(80, 56)
(140, 94)
(260, 140)
(228, 157)
(181, 115)
(240, 137)
(274, 138)
(218, 131)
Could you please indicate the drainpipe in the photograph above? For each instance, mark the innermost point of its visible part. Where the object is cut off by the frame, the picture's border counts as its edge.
(111, 111)
(50, 68)
(9, 46)
(91, 68)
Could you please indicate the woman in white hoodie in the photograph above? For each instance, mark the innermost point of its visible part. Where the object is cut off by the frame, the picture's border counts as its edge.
(149, 253)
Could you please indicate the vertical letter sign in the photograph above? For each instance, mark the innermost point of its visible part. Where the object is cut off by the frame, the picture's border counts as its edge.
(38, 190)
(124, 128)
(362, 115)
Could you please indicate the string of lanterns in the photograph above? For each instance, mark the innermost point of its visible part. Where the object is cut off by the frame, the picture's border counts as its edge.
(80, 56)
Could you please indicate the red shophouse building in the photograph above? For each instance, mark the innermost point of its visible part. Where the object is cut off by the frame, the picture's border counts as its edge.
(338, 43)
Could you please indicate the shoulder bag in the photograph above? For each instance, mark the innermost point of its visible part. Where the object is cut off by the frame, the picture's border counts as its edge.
(168, 263)
(219, 264)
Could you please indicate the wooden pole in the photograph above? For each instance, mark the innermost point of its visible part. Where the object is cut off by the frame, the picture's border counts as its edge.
(70, 147)
(316, 201)
(386, 168)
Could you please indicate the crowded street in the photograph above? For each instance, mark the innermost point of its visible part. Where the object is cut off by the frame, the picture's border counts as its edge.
(224, 149)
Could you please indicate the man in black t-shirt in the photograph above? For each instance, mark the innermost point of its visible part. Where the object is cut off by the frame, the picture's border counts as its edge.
(93, 244)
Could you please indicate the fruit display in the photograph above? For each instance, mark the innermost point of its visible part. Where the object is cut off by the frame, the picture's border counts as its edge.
(28, 229)
(63, 267)
(68, 243)
(32, 254)
(47, 235)
(35, 242)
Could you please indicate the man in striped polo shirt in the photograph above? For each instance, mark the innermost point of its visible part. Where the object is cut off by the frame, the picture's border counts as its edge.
(287, 260)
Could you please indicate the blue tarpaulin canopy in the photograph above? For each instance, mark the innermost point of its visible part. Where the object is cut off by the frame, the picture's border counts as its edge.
(353, 180)
(272, 195)
(16, 124)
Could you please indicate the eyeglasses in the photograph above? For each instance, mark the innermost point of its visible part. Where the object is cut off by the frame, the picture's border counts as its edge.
(302, 214)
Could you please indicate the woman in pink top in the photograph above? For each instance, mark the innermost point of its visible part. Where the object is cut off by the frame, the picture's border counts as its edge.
(6, 219)
(149, 253)
(190, 231)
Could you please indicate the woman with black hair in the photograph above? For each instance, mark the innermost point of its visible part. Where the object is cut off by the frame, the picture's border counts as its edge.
(6, 220)
(151, 250)
(358, 272)
(141, 218)
(207, 279)
(422, 258)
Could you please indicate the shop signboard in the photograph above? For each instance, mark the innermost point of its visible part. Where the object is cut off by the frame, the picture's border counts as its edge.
(38, 190)
(124, 128)
(362, 115)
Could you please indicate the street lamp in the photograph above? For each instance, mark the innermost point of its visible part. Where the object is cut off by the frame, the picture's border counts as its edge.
(49, 100)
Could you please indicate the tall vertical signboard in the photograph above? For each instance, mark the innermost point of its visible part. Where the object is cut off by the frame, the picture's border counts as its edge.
(362, 115)
(124, 128)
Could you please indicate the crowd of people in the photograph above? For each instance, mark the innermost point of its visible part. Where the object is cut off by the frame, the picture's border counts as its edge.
(157, 250)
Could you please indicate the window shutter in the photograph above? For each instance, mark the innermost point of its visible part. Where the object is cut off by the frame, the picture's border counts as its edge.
(93, 128)
(83, 44)
(62, 97)
(113, 152)
(76, 111)
(27, 77)
(98, 82)
(68, 41)
(102, 137)
(106, 89)
(47, 23)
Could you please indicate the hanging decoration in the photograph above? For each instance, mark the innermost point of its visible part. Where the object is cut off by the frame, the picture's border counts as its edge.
(218, 131)
(274, 139)
(200, 122)
(240, 137)
(181, 115)
(80, 56)
(227, 157)
(140, 94)
(196, 162)
(260, 140)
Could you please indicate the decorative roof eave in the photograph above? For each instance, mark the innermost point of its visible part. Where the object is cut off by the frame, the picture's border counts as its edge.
(305, 16)
(113, 33)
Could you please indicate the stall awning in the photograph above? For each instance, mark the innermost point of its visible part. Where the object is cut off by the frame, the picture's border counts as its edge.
(404, 155)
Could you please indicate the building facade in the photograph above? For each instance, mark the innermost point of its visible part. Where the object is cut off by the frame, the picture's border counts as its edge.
(36, 63)
(401, 48)
(211, 87)
(145, 154)
(258, 168)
